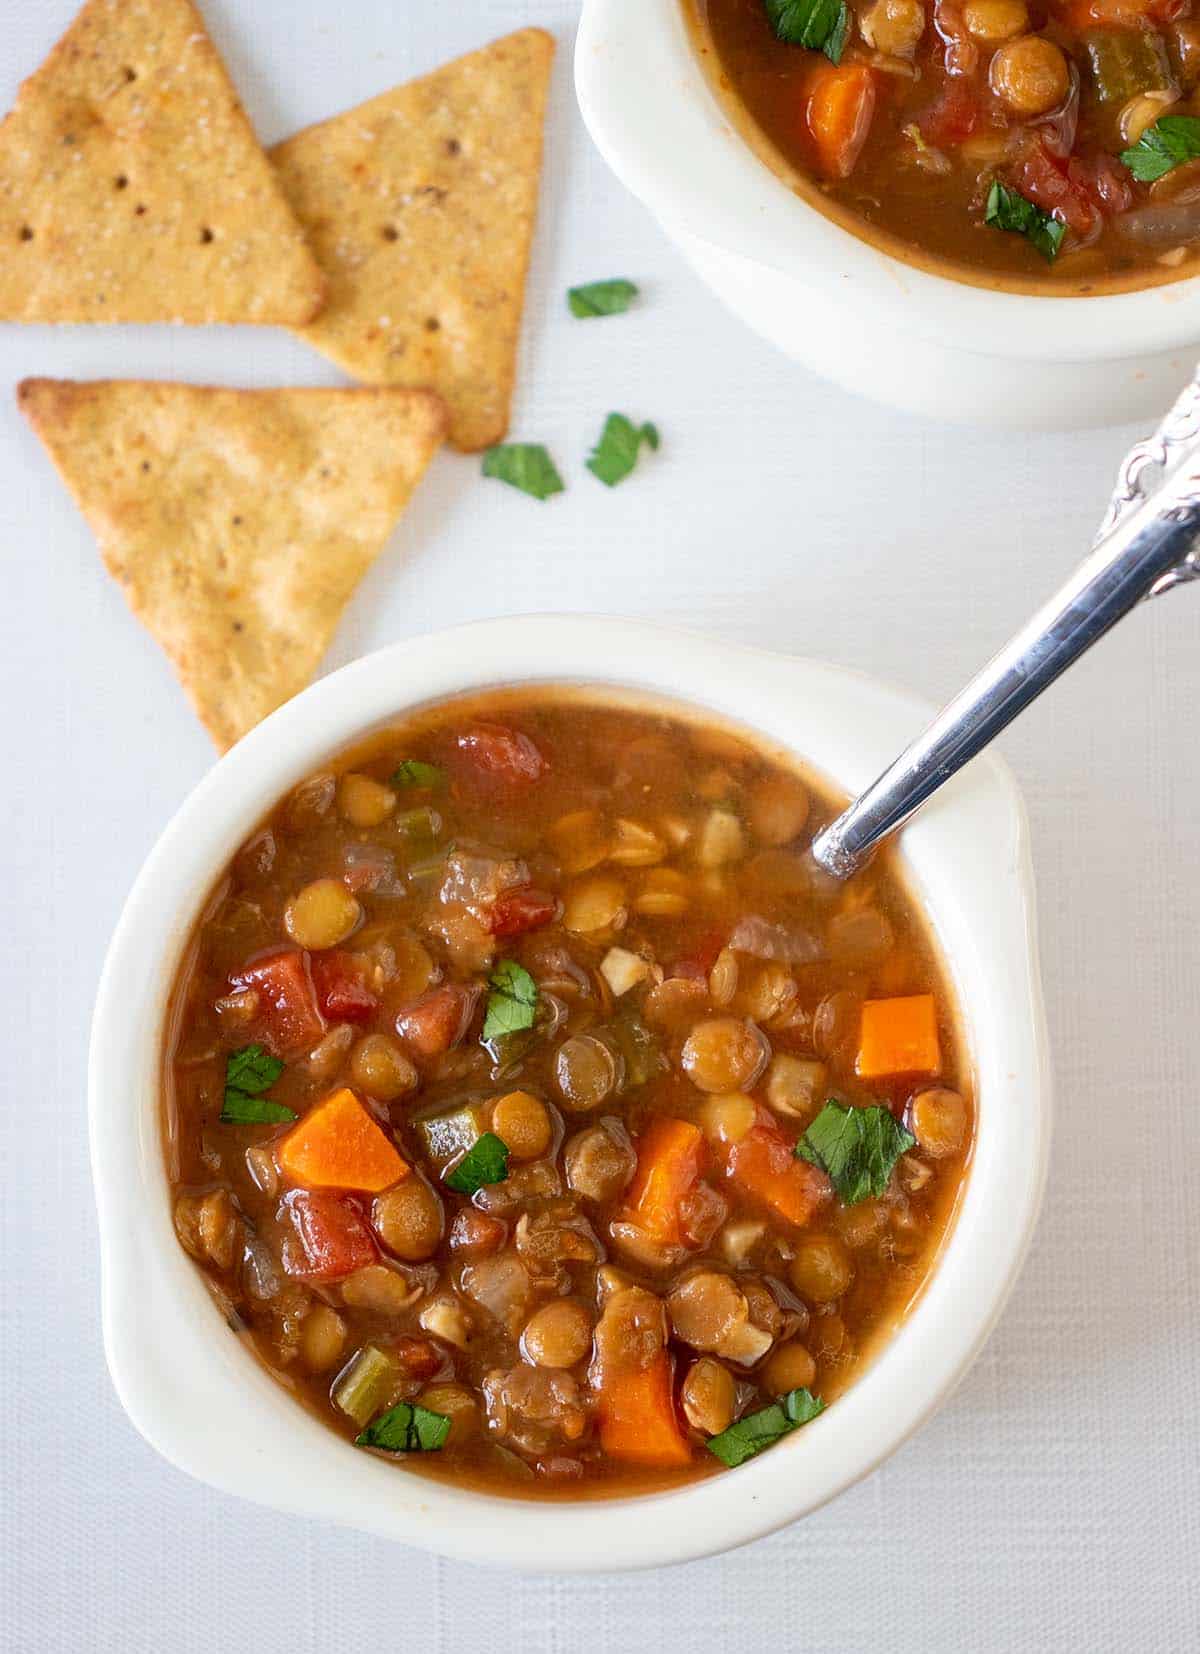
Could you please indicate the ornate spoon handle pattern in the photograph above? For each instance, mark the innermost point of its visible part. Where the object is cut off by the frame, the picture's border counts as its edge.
(1148, 544)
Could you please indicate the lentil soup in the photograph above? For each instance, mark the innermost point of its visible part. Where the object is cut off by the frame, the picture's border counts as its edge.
(539, 1114)
(1042, 145)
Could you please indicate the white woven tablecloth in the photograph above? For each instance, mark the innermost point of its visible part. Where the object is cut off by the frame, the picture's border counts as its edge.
(1054, 1504)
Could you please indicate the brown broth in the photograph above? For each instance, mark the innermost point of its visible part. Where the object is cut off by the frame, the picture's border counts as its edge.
(666, 774)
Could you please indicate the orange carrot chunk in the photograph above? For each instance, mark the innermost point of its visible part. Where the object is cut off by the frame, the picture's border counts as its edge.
(763, 1165)
(898, 1036)
(338, 1145)
(841, 107)
(638, 1422)
(671, 1158)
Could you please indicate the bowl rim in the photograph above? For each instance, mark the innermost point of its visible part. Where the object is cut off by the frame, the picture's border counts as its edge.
(683, 158)
(206, 1404)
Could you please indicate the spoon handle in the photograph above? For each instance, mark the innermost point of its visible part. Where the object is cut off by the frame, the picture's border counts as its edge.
(1150, 545)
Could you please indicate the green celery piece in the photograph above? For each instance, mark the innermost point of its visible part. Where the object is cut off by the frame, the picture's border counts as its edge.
(452, 1133)
(1126, 62)
(365, 1383)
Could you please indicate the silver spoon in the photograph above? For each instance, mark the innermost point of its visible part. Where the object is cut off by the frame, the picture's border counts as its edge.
(1149, 542)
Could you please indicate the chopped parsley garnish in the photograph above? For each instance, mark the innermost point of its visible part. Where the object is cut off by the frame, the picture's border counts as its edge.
(406, 1428)
(1167, 144)
(857, 1148)
(249, 1072)
(414, 772)
(764, 1428)
(511, 1001)
(616, 453)
(486, 1161)
(601, 298)
(524, 465)
(821, 25)
(1007, 210)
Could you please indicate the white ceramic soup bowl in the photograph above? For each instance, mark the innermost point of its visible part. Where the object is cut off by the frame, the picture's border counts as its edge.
(205, 1403)
(853, 313)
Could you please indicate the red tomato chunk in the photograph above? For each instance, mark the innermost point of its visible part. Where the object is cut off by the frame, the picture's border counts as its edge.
(333, 1234)
(341, 992)
(287, 1017)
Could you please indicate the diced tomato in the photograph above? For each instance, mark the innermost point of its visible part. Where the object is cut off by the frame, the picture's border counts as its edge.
(476, 1234)
(437, 1020)
(953, 115)
(1043, 179)
(418, 1357)
(342, 995)
(333, 1234)
(764, 1166)
(1104, 180)
(288, 1020)
(500, 756)
(520, 909)
(841, 106)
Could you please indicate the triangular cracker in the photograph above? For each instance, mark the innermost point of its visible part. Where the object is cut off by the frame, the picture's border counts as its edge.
(133, 189)
(238, 522)
(420, 207)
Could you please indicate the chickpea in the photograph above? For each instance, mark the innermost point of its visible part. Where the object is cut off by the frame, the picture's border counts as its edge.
(455, 1403)
(323, 914)
(790, 1367)
(363, 801)
(322, 1338)
(794, 1084)
(580, 840)
(939, 1121)
(664, 894)
(379, 1067)
(994, 21)
(600, 1161)
(594, 906)
(778, 805)
(523, 1124)
(379, 1290)
(727, 1117)
(827, 1335)
(721, 840)
(709, 1396)
(1030, 75)
(585, 1071)
(557, 1335)
(821, 1270)
(724, 1054)
(894, 26)
(408, 1219)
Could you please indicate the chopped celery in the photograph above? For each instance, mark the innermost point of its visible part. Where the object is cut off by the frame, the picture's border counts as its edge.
(1126, 62)
(365, 1384)
(644, 1059)
(452, 1133)
(422, 823)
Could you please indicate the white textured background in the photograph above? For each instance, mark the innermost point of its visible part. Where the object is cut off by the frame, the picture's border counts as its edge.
(1055, 1503)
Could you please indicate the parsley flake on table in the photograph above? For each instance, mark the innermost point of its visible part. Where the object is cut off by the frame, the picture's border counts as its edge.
(486, 1161)
(406, 1428)
(524, 465)
(1006, 210)
(601, 298)
(249, 1072)
(821, 25)
(763, 1429)
(1167, 144)
(857, 1148)
(616, 453)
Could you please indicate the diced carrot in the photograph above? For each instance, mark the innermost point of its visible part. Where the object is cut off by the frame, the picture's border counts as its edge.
(841, 107)
(898, 1036)
(671, 1156)
(337, 1145)
(764, 1166)
(638, 1422)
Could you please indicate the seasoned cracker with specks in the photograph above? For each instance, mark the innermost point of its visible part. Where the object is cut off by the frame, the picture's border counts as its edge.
(133, 189)
(420, 207)
(238, 522)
